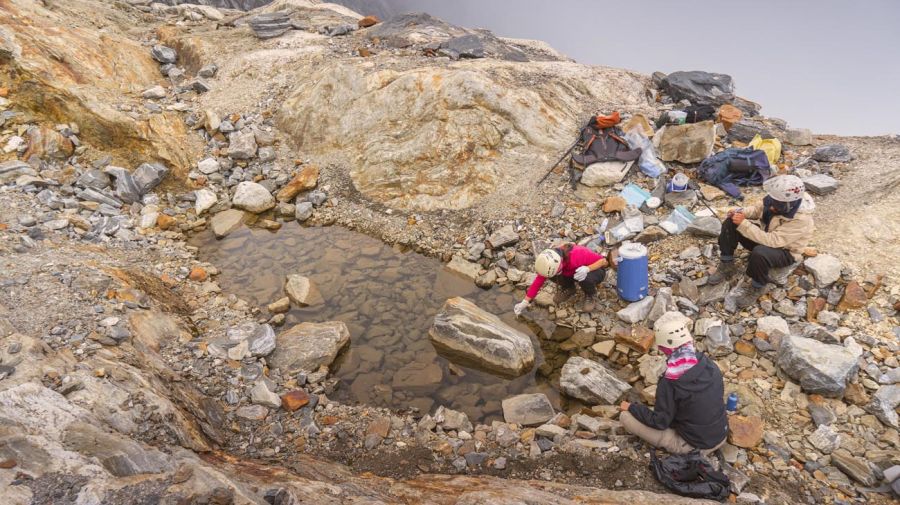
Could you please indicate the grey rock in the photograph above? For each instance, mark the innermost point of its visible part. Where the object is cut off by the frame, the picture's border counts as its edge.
(773, 326)
(452, 420)
(884, 404)
(208, 166)
(317, 197)
(503, 237)
(466, 46)
(149, 175)
(706, 226)
(819, 368)
(663, 302)
(303, 211)
(208, 71)
(302, 291)
(252, 197)
(699, 87)
(270, 25)
(637, 311)
(713, 294)
(266, 154)
(93, 178)
(13, 169)
(475, 458)
(820, 184)
(241, 146)
(591, 382)
(372, 441)
(718, 341)
(856, 468)
(94, 195)
(470, 336)
(685, 199)
(154, 93)
(747, 128)
(126, 188)
(198, 85)
(163, 54)
(798, 136)
(527, 409)
(825, 439)
(260, 395)
(821, 414)
(307, 346)
(252, 412)
(340, 30)
(223, 223)
(832, 153)
(825, 268)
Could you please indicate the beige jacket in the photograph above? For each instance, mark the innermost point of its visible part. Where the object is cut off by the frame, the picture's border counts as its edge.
(791, 234)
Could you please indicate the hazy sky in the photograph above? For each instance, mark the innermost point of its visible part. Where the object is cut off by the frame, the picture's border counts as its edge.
(829, 65)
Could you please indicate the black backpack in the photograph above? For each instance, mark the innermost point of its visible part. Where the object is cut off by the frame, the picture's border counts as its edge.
(690, 475)
(697, 113)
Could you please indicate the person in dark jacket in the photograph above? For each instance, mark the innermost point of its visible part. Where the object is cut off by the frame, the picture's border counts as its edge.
(690, 412)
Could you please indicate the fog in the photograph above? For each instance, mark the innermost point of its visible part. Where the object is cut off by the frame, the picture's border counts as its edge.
(828, 65)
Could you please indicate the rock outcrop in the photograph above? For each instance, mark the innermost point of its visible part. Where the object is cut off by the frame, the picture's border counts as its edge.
(591, 382)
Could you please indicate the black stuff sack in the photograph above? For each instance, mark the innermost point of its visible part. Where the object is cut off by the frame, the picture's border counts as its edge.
(690, 475)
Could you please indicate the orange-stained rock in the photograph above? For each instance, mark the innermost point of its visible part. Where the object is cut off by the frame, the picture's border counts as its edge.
(303, 181)
(638, 338)
(728, 115)
(745, 348)
(198, 274)
(854, 297)
(294, 400)
(814, 307)
(614, 204)
(745, 431)
(164, 222)
(368, 21)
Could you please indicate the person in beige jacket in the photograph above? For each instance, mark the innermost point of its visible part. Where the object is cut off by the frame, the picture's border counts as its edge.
(784, 230)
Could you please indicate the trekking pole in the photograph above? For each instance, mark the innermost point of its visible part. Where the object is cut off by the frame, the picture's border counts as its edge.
(558, 162)
(696, 187)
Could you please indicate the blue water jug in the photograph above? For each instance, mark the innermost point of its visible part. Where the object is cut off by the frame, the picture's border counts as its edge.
(633, 279)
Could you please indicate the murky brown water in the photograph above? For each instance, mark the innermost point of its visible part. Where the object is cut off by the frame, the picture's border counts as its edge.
(388, 300)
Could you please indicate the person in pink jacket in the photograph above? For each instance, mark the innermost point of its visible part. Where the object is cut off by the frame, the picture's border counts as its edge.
(566, 265)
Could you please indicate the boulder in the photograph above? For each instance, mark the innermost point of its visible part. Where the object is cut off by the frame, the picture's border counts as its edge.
(527, 409)
(718, 341)
(452, 420)
(465, 268)
(591, 382)
(747, 128)
(156, 92)
(92, 178)
(208, 166)
(270, 25)
(825, 268)
(637, 311)
(307, 346)
(820, 184)
(302, 291)
(820, 368)
(705, 227)
(226, 222)
(126, 187)
(699, 87)
(832, 153)
(260, 395)
(773, 326)
(857, 469)
(468, 335)
(464, 47)
(687, 143)
(798, 136)
(46, 143)
(605, 173)
(252, 197)
(241, 146)
(825, 439)
(204, 199)
(303, 211)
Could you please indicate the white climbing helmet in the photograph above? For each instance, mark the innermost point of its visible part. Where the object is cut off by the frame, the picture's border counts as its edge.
(548, 263)
(672, 333)
(785, 188)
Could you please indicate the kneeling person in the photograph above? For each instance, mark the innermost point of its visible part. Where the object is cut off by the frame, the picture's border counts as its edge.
(689, 412)
(567, 265)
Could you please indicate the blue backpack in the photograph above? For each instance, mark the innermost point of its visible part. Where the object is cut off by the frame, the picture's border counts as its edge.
(735, 167)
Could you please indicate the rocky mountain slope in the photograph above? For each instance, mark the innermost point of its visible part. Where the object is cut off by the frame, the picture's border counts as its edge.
(127, 374)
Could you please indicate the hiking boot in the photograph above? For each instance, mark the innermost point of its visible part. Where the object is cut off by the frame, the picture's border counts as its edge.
(562, 295)
(743, 296)
(725, 271)
(588, 304)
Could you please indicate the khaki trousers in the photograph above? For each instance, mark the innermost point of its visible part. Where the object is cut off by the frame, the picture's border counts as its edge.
(667, 439)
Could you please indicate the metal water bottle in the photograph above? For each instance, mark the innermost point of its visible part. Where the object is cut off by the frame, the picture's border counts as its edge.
(731, 405)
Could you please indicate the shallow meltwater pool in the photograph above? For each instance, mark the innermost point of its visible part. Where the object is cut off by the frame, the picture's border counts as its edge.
(388, 300)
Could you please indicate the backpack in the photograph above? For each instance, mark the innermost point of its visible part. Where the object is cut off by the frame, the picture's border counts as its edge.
(690, 475)
(698, 113)
(733, 167)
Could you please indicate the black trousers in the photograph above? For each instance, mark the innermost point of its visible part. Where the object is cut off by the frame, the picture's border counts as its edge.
(588, 285)
(762, 258)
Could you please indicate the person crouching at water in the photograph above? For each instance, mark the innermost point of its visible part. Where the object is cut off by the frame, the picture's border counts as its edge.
(567, 265)
(689, 412)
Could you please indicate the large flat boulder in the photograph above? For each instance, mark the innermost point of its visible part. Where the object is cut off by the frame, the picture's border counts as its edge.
(591, 382)
(605, 173)
(699, 87)
(307, 346)
(820, 368)
(468, 335)
(225, 222)
(686, 143)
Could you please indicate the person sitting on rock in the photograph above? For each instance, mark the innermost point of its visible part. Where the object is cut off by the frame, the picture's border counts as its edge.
(565, 265)
(689, 412)
(786, 227)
